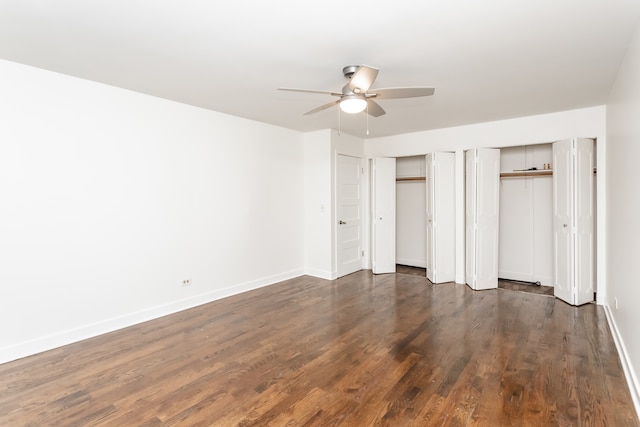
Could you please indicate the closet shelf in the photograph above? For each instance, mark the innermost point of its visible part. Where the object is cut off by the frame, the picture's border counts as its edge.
(539, 172)
(410, 178)
(543, 172)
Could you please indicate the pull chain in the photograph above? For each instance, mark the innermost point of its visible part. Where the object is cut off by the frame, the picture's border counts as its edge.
(367, 118)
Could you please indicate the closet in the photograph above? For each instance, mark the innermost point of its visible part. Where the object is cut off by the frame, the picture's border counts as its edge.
(529, 215)
(547, 217)
(410, 211)
(425, 214)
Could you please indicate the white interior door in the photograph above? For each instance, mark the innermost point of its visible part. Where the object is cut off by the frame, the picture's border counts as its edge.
(562, 220)
(584, 220)
(429, 228)
(384, 215)
(349, 214)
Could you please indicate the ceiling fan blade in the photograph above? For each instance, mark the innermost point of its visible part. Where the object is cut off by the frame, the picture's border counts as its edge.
(363, 78)
(374, 109)
(401, 92)
(324, 92)
(322, 107)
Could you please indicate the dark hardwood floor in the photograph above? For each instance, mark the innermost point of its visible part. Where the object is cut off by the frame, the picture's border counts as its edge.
(508, 285)
(523, 287)
(413, 271)
(362, 350)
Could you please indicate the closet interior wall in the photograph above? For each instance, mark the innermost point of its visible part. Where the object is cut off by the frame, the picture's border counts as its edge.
(526, 216)
(411, 212)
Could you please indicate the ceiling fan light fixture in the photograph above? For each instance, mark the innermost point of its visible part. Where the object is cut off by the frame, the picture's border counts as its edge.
(353, 104)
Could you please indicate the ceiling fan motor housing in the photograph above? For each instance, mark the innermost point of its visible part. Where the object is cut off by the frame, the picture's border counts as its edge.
(349, 70)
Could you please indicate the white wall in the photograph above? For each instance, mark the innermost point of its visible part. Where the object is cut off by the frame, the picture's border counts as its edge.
(586, 122)
(623, 221)
(411, 212)
(111, 198)
(526, 216)
(321, 149)
(318, 202)
(412, 166)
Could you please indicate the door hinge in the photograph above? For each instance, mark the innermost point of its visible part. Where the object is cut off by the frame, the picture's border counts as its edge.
(362, 171)
(362, 253)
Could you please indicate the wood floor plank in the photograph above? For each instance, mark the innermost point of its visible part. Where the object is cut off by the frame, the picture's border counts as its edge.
(387, 350)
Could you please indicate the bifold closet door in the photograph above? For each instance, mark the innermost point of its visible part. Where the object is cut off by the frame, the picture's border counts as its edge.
(573, 222)
(383, 206)
(482, 186)
(429, 229)
(440, 217)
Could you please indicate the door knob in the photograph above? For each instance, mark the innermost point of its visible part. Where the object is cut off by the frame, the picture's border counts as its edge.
(342, 222)
(564, 225)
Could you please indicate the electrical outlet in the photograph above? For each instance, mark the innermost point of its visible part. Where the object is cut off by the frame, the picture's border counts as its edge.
(615, 303)
(185, 282)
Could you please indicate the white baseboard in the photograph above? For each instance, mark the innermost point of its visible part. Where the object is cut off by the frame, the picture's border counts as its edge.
(59, 339)
(627, 366)
(412, 262)
(321, 274)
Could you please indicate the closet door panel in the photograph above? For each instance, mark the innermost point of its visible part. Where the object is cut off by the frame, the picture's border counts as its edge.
(431, 253)
(488, 214)
(444, 224)
(384, 215)
(482, 217)
(470, 217)
(562, 220)
(584, 207)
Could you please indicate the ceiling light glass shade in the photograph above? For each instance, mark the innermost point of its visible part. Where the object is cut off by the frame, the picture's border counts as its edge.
(353, 104)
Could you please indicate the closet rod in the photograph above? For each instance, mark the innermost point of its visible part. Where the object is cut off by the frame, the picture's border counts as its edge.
(411, 178)
(543, 172)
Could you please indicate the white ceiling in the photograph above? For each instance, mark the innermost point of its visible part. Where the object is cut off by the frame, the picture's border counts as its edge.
(488, 60)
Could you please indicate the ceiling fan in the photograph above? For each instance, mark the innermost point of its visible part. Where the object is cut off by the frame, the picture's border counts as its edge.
(357, 95)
